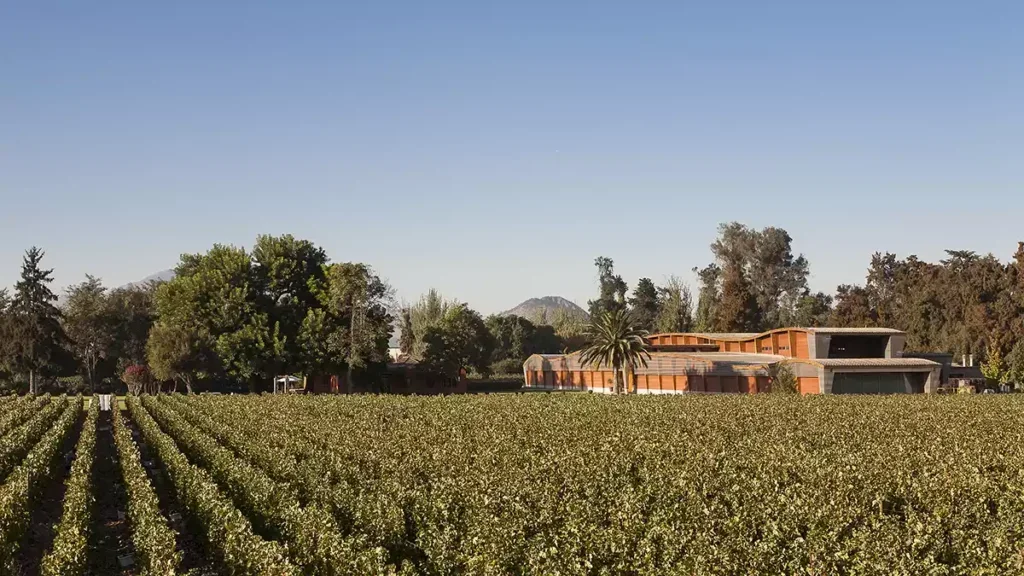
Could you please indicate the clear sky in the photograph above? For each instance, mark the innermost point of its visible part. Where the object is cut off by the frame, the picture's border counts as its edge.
(493, 150)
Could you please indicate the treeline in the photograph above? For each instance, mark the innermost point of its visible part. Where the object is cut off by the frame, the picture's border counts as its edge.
(230, 317)
(966, 304)
(450, 336)
(237, 318)
(233, 317)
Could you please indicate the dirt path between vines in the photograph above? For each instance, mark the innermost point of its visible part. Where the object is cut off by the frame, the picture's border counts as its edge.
(111, 536)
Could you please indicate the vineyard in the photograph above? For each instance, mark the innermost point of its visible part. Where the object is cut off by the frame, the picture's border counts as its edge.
(512, 484)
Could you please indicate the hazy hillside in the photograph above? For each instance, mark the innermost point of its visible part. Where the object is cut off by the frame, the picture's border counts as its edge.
(158, 277)
(533, 307)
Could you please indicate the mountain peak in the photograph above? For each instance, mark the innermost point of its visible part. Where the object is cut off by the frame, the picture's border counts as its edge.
(163, 276)
(546, 305)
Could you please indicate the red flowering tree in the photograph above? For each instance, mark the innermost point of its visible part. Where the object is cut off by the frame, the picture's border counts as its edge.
(137, 377)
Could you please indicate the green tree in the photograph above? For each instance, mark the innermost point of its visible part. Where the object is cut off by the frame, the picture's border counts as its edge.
(612, 288)
(675, 307)
(89, 325)
(217, 296)
(425, 313)
(775, 277)
(781, 378)
(285, 273)
(407, 341)
(643, 304)
(853, 308)
(515, 339)
(459, 341)
(37, 338)
(176, 355)
(570, 329)
(738, 310)
(131, 311)
(351, 328)
(810, 310)
(994, 369)
(1015, 364)
(616, 343)
(6, 336)
(708, 298)
(360, 299)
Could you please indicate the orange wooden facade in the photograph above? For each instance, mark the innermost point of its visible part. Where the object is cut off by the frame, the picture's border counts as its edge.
(701, 383)
(659, 383)
(788, 342)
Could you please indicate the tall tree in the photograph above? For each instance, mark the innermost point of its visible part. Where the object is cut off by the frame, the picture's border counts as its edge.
(738, 311)
(708, 298)
(407, 341)
(427, 312)
(994, 369)
(131, 311)
(459, 341)
(775, 277)
(1015, 364)
(5, 336)
(612, 288)
(176, 354)
(285, 272)
(810, 310)
(361, 299)
(570, 328)
(675, 307)
(643, 304)
(89, 325)
(616, 343)
(351, 328)
(853, 308)
(515, 339)
(216, 297)
(38, 340)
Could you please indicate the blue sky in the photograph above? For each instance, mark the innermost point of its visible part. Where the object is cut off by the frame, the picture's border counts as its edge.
(493, 150)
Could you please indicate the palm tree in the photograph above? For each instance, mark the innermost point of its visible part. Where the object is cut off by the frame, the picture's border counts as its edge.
(614, 342)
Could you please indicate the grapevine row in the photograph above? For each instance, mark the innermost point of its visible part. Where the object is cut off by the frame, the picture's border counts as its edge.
(21, 487)
(542, 484)
(20, 440)
(226, 530)
(302, 465)
(153, 539)
(310, 534)
(69, 555)
(19, 410)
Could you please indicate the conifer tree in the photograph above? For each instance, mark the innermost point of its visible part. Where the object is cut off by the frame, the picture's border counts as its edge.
(37, 338)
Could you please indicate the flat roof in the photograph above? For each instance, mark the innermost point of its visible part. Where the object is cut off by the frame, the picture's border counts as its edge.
(724, 335)
(875, 362)
(735, 336)
(863, 331)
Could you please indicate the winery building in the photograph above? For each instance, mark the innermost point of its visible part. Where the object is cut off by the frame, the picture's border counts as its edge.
(824, 360)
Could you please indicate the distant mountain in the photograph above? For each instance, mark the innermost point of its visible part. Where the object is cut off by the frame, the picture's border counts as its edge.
(532, 308)
(163, 276)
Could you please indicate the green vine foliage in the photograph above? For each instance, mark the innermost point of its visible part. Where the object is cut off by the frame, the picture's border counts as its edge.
(69, 555)
(20, 491)
(226, 531)
(152, 537)
(587, 484)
